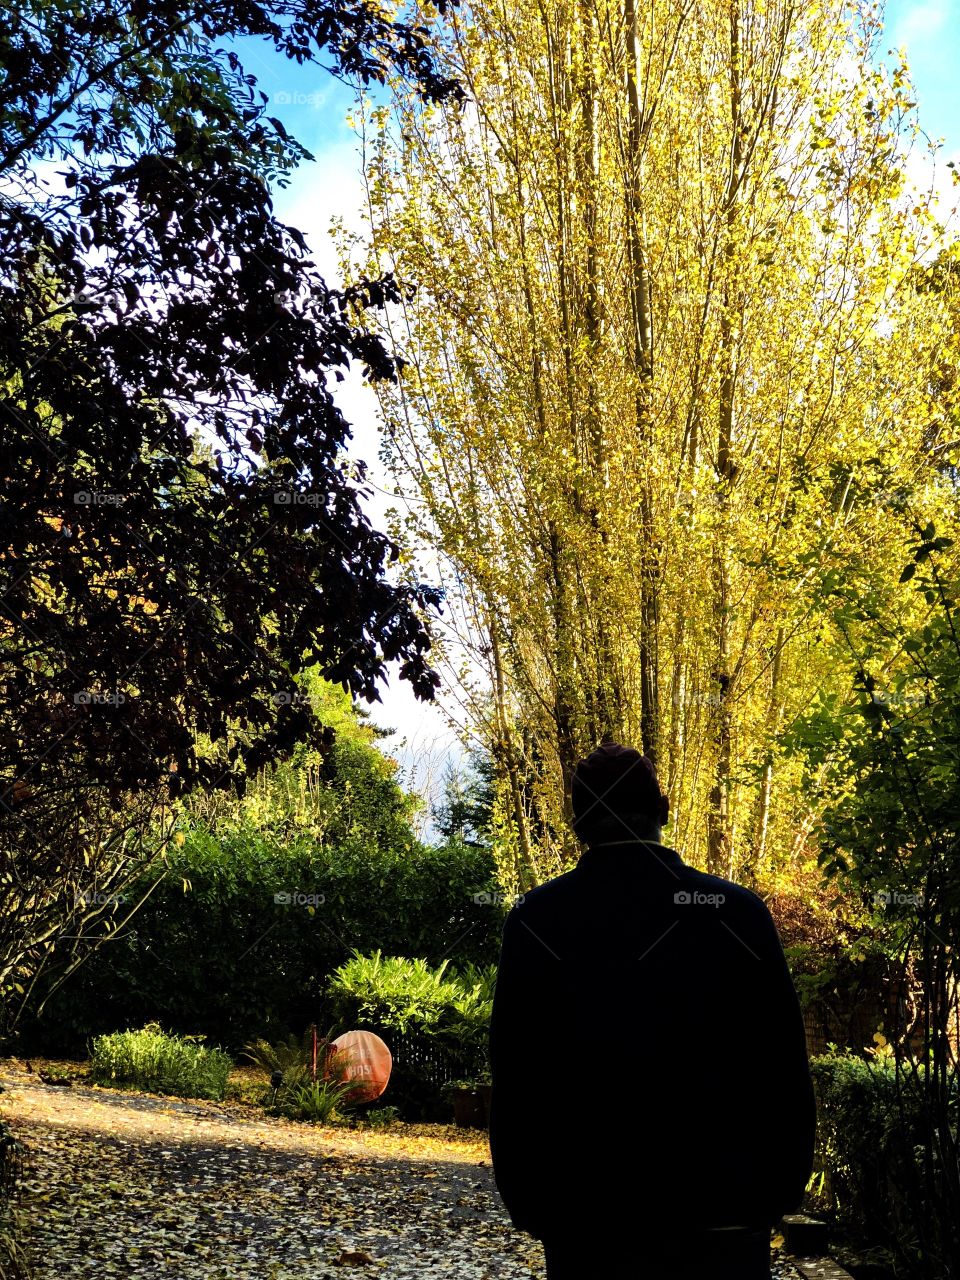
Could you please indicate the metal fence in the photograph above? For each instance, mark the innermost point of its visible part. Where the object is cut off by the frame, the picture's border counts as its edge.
(419, 1055)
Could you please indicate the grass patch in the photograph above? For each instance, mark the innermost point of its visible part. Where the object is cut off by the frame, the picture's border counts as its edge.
(152, 1060)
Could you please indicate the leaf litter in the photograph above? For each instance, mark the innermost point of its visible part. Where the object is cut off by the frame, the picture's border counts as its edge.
(118, 1184)
(121, 1184)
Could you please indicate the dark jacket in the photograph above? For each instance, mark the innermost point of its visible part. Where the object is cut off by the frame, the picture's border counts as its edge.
(648, 1053)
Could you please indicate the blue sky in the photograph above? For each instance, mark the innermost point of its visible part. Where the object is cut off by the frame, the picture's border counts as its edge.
(312, 105)
(930, 32)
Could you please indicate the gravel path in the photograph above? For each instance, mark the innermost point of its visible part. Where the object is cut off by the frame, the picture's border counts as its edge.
(120, 1184)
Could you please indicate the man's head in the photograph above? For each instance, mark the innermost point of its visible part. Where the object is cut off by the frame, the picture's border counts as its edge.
(616, 796)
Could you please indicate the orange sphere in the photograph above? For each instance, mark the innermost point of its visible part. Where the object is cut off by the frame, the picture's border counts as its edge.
(366, 1060)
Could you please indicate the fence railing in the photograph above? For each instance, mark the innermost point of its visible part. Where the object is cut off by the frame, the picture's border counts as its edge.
(430, 1061)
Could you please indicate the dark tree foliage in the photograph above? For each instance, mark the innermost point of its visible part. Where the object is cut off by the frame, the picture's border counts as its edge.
(180, 529)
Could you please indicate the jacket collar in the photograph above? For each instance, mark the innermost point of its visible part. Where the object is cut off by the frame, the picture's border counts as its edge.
(638, 852)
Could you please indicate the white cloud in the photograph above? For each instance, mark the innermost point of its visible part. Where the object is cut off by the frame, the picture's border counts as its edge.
(921, 23)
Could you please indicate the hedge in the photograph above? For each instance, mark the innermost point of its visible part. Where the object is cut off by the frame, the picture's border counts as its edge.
(240, 937)
(871, 1135)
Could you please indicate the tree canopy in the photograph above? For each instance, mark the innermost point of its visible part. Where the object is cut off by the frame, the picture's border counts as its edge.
(672, 367)
(150, 300)
(181, 530)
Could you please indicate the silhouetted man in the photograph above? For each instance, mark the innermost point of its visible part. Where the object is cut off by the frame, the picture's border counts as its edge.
(652, 1113)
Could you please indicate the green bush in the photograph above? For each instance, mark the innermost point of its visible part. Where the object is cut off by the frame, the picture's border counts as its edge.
(212, 950)
(870, 1131)
(151, 1060)
(286, 1058)
(297, 1095)
(405, 996)
(260, 898)
(435, 1020)
(318, 1101)
(381, 1117)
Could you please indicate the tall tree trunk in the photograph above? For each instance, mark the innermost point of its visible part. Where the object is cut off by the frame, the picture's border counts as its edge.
(762, 815)
(564, 695)
(564, 700)
(643, 370)
(677, 687)
(719, 835)
(606, 699)
(526, 874)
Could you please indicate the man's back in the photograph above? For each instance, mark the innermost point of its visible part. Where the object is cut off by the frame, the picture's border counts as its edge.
(648, 1052)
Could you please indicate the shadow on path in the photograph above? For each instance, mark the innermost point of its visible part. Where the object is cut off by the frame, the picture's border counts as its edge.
(120, 1184)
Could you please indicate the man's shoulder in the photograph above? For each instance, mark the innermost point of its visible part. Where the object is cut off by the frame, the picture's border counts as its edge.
(732, 891)
(540, 908)
(548, 892)
(567, 892)
(569, 883)
(737, 906)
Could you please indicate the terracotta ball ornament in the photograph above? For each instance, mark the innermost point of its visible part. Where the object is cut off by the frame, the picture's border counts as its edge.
(367, 1060)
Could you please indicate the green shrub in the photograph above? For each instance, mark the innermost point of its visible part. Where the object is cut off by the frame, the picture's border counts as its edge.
(406, 996)
(435, 1020)
(295, 1094)
(317, 1100)
(870, 1131)
(381, 1117)
(151, 1060)
(286, 1056)
(212, 950)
